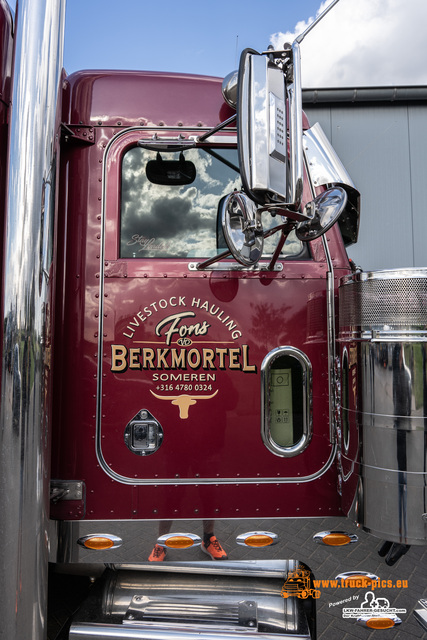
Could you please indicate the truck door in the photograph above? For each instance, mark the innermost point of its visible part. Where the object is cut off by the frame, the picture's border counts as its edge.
(206, 376)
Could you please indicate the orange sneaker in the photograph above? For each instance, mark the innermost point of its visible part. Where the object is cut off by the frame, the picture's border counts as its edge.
(214, 549)
(158, 554)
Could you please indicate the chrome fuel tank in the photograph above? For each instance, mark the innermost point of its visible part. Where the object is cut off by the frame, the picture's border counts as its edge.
(383, 431)
(203, 600)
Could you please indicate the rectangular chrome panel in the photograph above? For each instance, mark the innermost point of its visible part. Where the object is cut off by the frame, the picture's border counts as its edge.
(267, 127)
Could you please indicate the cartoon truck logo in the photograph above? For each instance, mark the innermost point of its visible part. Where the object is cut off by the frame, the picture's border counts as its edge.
(298, 584)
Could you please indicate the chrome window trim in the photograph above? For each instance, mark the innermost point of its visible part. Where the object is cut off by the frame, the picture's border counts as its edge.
(171, 481)
(307, 427)
(330, 301)
(235, 266)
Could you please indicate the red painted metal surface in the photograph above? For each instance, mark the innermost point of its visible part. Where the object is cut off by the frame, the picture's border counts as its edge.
(215, 445)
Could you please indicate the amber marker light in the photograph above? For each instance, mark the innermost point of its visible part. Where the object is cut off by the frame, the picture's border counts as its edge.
(380, 623)
(365, 580)
(100, 542)
(335, 538)
(179, 540)
(257, 539)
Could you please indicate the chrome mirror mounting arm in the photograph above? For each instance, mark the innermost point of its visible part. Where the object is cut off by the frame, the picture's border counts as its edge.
(281, 210)
(254, 226)
(201, 266)
(166, 144)
(180, 143)
(285, 228)
(219, 127)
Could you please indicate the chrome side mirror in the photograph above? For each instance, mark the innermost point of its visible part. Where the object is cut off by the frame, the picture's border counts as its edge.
(322, 212)
(265, 84)
(242, 228)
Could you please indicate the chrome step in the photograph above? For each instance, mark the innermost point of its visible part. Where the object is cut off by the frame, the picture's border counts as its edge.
(91, 631)
(192, 611)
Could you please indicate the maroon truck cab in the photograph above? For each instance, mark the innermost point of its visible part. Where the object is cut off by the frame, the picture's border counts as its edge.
(192, 366)
(164, 369)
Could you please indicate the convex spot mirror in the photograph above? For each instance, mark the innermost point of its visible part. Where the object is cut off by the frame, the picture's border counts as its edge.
(170, 172)
(229, 88)
(241, 225)
(323, 212)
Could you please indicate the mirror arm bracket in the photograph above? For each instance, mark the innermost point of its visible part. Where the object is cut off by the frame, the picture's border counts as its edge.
(220, 126)
(285, 228)
(279, 247)
(207, 263)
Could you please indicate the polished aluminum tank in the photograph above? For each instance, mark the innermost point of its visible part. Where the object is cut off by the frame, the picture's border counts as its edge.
(383, 397)
(203, 600)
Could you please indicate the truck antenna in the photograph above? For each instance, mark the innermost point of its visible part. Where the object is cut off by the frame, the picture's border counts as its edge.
(302, 35)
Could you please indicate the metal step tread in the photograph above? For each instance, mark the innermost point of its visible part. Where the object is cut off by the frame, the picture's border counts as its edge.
(152, 631)
(192, 611)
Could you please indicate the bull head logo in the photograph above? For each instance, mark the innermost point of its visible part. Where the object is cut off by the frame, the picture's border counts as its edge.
(184, 401)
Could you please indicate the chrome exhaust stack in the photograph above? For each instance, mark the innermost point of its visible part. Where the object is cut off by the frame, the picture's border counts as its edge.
(27, 311)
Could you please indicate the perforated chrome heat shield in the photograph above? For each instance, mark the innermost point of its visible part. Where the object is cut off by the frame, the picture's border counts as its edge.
(383, 350)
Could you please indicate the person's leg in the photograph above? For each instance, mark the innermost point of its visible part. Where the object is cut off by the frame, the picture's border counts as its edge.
(211, 544)
(158, 553)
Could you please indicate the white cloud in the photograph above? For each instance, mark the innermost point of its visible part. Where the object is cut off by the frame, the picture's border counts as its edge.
(364, 43)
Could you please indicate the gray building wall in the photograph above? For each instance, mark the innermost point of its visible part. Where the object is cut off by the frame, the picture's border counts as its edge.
(381, 137)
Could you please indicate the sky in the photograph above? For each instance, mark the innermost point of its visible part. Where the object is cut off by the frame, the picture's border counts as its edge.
(358, 43)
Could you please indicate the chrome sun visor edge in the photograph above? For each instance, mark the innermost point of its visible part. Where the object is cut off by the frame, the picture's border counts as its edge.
(323, 163)
(325, 168)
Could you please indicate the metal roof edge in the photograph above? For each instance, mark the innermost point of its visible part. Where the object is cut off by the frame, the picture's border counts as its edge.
(364, 94)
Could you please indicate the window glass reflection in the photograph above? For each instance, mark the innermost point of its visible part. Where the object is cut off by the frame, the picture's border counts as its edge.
(170, 203)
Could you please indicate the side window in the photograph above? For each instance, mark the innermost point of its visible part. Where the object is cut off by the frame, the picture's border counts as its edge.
(170, 203)
(286, 392)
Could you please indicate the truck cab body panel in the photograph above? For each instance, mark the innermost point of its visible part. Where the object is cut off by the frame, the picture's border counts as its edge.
(203, 388)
